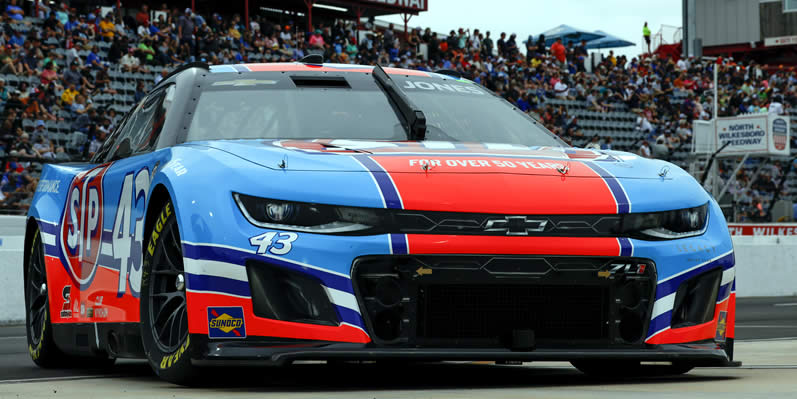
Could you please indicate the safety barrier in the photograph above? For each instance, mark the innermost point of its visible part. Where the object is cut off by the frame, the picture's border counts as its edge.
(765, 262)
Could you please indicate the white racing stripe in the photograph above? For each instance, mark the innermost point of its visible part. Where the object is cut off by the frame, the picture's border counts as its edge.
(728, 275)
(663, 305)
(216, 269)
(439, 145)
(47, 238)
(500, 146)
(343, 299)
(236, 272)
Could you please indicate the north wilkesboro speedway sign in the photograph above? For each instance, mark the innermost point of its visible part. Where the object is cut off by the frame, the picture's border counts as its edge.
(754, 134)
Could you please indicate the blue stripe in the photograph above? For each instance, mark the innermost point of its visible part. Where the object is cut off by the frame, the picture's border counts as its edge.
(661, 321)
(349, 316)
(625, 246)
(198, 282)
(399, 244)
(671, 285)
(47, 227)
(239, 257)
(623, 205)
(382, 180)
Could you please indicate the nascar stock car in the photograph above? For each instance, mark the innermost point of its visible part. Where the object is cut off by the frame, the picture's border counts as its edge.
(271, 213)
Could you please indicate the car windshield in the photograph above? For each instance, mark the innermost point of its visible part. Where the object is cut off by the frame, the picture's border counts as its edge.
(458, 111)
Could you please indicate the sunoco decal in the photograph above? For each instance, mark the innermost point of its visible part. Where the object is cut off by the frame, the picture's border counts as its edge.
(226, 322)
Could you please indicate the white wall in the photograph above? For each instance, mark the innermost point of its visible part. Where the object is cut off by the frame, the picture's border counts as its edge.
(765, 266)
(12, 240)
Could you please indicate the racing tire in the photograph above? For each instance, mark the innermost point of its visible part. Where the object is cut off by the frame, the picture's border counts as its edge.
(164, 317)
(38, 327)
(619, 369)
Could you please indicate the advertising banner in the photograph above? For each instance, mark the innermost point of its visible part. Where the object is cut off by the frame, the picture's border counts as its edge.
(763, 229)
(754, 134)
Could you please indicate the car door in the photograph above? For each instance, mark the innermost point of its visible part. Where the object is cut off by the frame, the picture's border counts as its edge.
(110, 280)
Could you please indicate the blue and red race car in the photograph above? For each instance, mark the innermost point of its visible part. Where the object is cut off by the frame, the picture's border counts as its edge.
(269, 213)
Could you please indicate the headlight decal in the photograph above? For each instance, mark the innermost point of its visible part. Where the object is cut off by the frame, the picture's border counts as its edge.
(306, 217)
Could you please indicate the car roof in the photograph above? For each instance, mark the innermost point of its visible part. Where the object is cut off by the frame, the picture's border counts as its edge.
(326, 67)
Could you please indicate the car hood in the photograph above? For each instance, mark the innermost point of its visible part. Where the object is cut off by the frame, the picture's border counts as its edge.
(463, 177)
(439, 157)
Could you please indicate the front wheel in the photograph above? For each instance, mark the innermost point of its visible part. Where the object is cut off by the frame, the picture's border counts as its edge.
(164, 317)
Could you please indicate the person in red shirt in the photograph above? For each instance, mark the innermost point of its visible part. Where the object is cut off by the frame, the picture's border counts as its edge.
(558, 51)
(142, 17)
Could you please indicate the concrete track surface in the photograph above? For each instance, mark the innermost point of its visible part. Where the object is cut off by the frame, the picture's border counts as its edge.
(766, 343)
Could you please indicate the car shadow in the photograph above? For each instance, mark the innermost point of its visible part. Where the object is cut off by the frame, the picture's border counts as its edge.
(442, 376)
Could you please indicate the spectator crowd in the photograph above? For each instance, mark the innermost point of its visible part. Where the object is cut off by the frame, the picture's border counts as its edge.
(62, 62)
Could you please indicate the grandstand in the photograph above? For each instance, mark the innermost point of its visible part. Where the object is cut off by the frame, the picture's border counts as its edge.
(627, 93)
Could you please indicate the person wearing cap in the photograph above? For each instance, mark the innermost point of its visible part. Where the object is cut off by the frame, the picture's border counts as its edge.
(185, 28)
(316, 39)
(129, 61)
(39, 129)
(72, 75)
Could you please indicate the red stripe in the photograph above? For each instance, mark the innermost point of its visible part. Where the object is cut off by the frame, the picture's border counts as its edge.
(731, 316)
(700, 332)
(495, 189)
(258, 326)
(451, 244)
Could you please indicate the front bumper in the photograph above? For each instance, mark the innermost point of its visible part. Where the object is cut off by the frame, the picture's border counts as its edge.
(264, 353)
(218, 278)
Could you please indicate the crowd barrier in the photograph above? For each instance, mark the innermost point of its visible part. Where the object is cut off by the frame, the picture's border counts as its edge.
(765, 262)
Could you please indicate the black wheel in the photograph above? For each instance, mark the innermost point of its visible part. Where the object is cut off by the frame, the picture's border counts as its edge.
(619, 369)
(41, 346)
(164, 317)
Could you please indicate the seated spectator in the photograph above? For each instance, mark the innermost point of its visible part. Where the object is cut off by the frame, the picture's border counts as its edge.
(14, 11)
(93, 59)
(644, 149)
(595, 143)
(107, 28)
(68, 96)
(607, 143)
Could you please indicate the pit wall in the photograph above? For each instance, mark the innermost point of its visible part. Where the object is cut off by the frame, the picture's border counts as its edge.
(766, 262)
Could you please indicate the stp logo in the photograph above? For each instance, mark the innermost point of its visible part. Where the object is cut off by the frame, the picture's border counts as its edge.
(81, 225)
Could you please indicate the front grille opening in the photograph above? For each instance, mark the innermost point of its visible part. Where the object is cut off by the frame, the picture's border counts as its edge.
(490, 313)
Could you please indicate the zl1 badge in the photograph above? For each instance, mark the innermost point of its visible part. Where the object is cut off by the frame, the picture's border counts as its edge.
(226, 322)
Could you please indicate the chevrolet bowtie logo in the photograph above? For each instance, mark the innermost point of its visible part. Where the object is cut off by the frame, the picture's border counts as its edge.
(516, 225)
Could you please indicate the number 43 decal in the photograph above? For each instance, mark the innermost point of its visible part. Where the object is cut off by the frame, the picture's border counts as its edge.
(273, 242)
